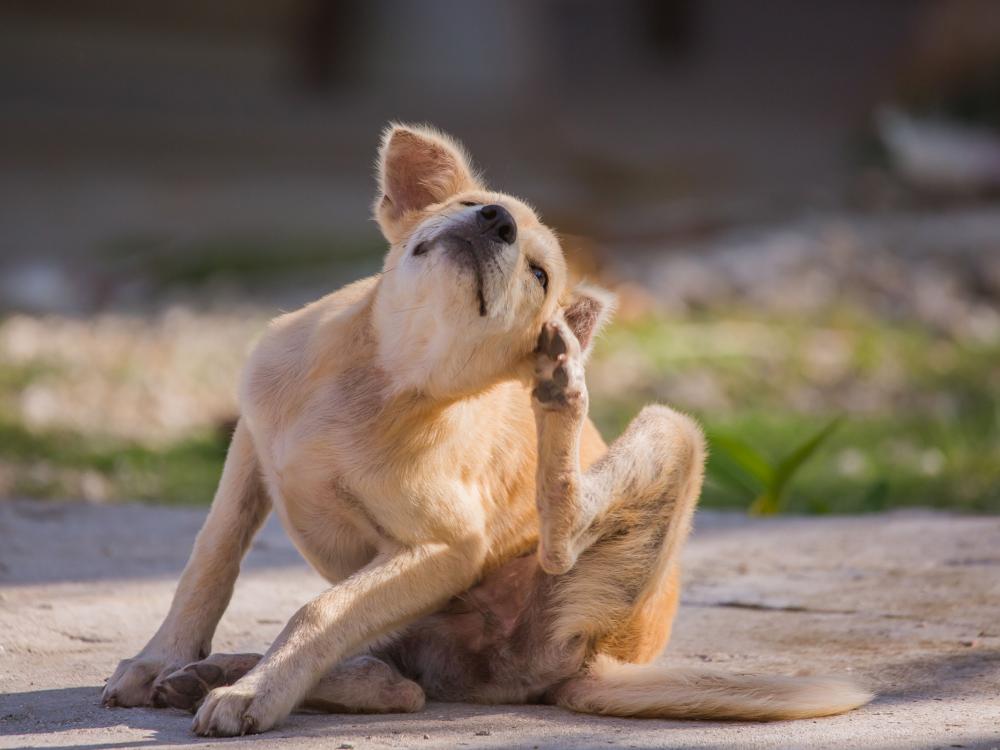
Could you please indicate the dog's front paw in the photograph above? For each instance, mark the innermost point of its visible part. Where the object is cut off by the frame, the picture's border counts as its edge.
(132, 682)
(187, 687)
(237, 710)
(559, 377)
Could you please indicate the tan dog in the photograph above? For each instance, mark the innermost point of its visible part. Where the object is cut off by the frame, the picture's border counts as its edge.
(418, 436)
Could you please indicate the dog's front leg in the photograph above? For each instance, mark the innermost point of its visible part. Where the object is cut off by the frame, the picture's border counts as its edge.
(395, 588)
(240, 507)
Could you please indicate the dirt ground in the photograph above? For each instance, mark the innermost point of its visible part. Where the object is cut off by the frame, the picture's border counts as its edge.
(909, 603)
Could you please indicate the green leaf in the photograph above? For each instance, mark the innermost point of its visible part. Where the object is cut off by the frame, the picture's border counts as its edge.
(772, 500)
(744, 455)
(876, 495)
(765, 504)
(726, 474)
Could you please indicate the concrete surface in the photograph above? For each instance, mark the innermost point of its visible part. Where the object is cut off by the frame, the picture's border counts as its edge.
(908, 603)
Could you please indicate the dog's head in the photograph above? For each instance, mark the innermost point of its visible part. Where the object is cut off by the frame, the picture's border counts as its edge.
(471, 275)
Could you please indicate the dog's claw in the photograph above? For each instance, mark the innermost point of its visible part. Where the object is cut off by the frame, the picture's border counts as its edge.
(234, 711)
(132, 682)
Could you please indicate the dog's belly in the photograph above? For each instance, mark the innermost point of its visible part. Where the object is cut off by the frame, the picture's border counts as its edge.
(491, 644)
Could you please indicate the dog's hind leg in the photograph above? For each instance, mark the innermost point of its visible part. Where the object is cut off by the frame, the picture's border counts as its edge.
(615, 534)
(365, 685)
(619, 526)
(362, 684)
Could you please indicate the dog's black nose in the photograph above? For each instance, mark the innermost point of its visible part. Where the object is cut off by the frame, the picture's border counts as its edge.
(496, 222)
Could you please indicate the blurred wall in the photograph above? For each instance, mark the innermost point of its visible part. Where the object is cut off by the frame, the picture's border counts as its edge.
(187, 120)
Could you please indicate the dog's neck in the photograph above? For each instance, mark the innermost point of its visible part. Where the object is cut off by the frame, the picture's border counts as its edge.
(420, 355)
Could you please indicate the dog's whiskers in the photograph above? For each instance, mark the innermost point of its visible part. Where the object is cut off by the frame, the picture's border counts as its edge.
(408, 309)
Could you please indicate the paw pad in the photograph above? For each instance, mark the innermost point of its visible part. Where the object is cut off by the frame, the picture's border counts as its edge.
(559, 378)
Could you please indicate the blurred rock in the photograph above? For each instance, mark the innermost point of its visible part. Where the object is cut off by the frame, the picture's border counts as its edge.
(941, 154)
(939, 269)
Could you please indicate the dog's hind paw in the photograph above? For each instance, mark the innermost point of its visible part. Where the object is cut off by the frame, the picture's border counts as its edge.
(559, 377)
(187, 687)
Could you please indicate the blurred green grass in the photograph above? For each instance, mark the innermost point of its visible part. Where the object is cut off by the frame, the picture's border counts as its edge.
(62, 463)
(919, 416)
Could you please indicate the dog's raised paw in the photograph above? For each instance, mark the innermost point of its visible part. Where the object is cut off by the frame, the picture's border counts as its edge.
(559, 377)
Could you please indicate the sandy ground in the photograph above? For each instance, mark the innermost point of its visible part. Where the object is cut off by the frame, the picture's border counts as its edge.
(908, 603)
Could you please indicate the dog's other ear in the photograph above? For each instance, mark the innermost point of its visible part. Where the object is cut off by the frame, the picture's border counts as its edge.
(417, 167)
(586, 311)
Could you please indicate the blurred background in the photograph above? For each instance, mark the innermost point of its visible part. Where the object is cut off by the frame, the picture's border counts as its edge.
(797, 201)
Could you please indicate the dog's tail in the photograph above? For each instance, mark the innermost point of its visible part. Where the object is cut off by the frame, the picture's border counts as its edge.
(616, 688)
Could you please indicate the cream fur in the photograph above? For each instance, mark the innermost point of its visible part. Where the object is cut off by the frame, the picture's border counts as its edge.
(413, 436)
(615, 688)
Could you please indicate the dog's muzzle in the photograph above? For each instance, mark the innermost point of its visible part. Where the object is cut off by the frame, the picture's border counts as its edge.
(476, 241)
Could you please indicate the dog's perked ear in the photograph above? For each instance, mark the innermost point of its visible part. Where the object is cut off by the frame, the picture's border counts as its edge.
(417, 167)
(586, 311)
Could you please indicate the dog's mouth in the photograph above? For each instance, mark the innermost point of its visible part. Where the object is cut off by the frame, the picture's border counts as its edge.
(463, 251)
(480, 296)
(477, 269)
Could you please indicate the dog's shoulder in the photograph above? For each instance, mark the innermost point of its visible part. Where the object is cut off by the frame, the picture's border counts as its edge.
(303, 346)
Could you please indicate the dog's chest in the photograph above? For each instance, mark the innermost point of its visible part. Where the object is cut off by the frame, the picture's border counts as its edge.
(347, 485)
(341, 506)
(305, 462)
(332, 530)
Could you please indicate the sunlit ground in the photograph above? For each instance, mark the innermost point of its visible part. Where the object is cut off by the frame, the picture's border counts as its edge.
(116, 408)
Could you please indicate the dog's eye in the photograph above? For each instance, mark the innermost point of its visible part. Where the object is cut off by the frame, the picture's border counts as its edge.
(539, 273)
(469, 203)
